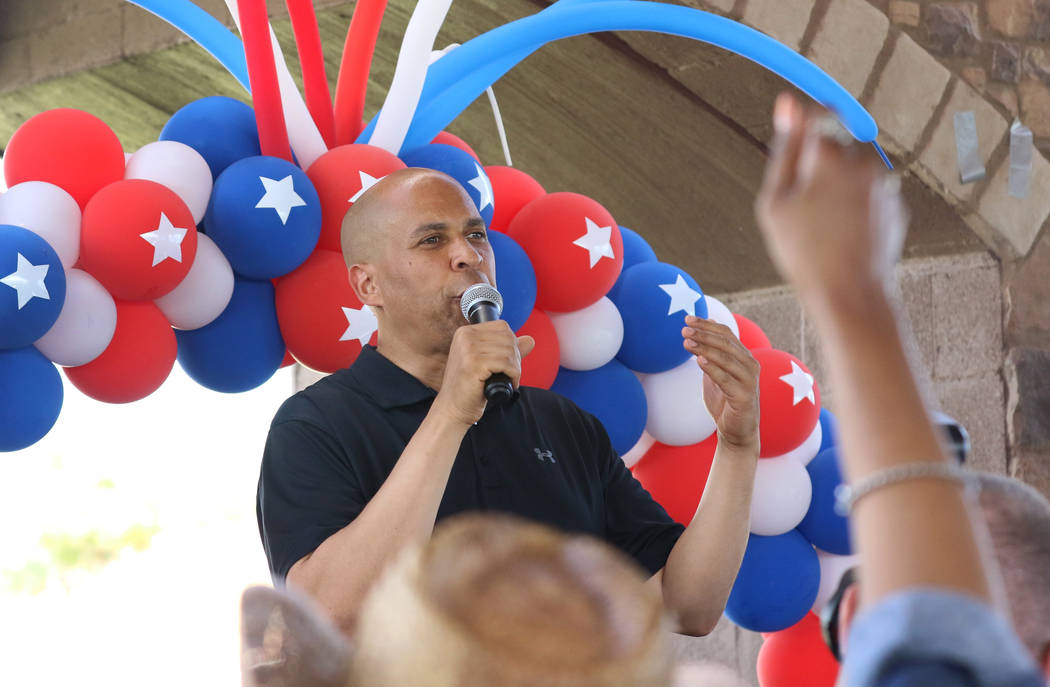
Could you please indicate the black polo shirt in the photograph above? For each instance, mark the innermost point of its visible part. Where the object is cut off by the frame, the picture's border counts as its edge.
(332, 445)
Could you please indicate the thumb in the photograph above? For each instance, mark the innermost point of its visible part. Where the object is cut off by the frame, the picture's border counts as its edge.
(525, 345)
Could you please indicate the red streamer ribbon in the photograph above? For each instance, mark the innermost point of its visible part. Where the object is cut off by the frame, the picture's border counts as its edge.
(311, 59)
(262, 76)
(352, 85)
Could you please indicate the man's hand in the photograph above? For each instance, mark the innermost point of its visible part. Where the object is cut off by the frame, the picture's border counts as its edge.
(831, 218)
(479, 351)
(730, 381)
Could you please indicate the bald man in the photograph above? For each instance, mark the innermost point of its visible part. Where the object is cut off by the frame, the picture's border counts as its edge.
(364, 462)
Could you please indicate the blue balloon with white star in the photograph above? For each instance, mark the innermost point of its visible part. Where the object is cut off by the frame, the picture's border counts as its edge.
(459, 165)
(823, 526)
(777, 583)
(515, 279)
(611, 393)
(265, 216)
(32, 286)
(31, 399)
(635, 250)
(654, 299)
(221, 129)
(242, 347)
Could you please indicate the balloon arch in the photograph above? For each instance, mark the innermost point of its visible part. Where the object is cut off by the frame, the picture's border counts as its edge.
(218, 246)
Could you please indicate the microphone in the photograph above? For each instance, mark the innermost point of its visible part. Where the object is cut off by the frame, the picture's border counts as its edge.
(482, 303)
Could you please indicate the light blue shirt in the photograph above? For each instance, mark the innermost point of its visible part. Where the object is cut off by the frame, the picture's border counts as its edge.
(937, 638)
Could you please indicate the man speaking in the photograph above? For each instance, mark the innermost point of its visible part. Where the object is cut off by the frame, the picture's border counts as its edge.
(364, 462)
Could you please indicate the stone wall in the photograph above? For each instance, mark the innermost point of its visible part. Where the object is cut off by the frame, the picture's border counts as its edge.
(41, 39)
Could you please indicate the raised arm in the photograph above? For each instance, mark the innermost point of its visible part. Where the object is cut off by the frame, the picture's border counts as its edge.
(833, 224)
(704, 562)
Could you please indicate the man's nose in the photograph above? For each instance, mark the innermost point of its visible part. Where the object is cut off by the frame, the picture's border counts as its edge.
(465, 255)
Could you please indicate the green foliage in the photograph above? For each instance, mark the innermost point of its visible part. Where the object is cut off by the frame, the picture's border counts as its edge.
(66, 553)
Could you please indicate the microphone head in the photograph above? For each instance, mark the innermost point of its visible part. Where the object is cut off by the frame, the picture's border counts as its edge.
(480, 293)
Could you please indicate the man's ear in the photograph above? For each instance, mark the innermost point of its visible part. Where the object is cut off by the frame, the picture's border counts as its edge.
(847, 612)
(1044, 662)
(362, 281)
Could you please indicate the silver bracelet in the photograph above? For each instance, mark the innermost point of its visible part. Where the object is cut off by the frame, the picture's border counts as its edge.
(846, 496)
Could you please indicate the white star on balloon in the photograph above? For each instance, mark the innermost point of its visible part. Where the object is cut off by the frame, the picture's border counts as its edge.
(367, 182)
(801, 384)
(166, 241)
(683, 297)
(597, 242)
(484, 187)
(362, 324)
(28, 281)
(280, 196)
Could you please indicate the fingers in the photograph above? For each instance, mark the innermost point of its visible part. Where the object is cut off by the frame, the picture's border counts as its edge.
(525, 345)
(785, 147)
(719, 348)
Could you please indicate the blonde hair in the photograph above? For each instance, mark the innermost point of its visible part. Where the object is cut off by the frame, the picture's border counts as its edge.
(493, 600)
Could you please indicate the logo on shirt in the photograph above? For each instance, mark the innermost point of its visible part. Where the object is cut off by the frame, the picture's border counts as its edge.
(544, 455)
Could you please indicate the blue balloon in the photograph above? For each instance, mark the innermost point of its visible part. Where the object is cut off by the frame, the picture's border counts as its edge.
(515, 279)
(635, 250)
(207, 31)
(31, 399)
(265, 216)
(613, 395)
(829, 430)
(32, 287)
(822, 526)
(777, 583)
(221, 129)
(240, 349)
(459, 165)
(654, 299)
(459, 77)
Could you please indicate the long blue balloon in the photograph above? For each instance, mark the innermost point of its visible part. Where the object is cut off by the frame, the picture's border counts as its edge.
(205, 30)
(456, 80)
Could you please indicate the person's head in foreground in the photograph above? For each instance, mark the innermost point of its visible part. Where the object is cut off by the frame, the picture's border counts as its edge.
(490, 600)
(412, 245)
(498, 601)
(1018, 519)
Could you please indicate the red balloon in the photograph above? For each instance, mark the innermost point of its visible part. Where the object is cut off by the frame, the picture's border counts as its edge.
(751, 335)
(797, 657)
(512, 189)
(454, 140)
(789, 402)
(321, 319)
(575, 247)
(137, 360)
(138, 239)
(540, 367)
(339, 175)
(676, 475)
(69, 148)
(288, 359)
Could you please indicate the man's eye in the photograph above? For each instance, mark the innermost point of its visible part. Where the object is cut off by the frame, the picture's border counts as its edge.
(479, 235)
(431, 239)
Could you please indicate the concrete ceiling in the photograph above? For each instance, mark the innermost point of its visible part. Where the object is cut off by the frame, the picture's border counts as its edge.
(669, 134)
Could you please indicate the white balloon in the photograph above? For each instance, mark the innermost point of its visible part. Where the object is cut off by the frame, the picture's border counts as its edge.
(205, 291)
(590, 337)
(781, 496)
(402, 98)
(677, 414)
(47, 211)
(832, 568)
(177, 166)
(86, 324)
(717, 311)
(631, 458)
(807, 450)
